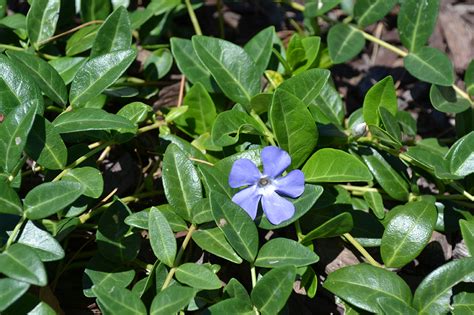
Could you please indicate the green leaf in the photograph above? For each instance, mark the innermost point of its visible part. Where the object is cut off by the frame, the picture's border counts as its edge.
(215, 180)
(180, 181)
(87, 119)
(375, 202)
(469, 78)
(16, 22)
(9, 201)
(332, 225)
(407, 232)
(293, 126)
(388, 305)
(344, 42)
(158, 64)
(273, 290)
(232, 68)
(363, 284)
(20, 262)
(467, 231)
(99, 73)
(67, 67)
(50, 197)
(307, 85)
(236, 305)
(214, 241)
(202, 212)
(284, 252)
(117, 241)
(42, 308)
(319, 7)
(430, 65)
(311, 46)
(239, 229)
(331, 165)
(259, 48)
(95, 10)
(461, 156)
(115, 34)
(82, 40)
(235, 289)
(190, 65)
(89, 177)
(118, 301)
(136, 112)
(47, 78)
(197, 276)
(162, 239)
(387, 177)
(434, 293)
(382, 94)
(230, 124)
(463, 303)
(11, 290)
(390, 124)
(172, 300)
(43, 243)
(45, 145)
(201, 113)
(446, 100)
(367, 12)
(416, 21)
(328, 107)
(41, 20)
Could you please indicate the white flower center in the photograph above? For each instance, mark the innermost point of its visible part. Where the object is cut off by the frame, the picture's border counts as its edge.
(265, 186)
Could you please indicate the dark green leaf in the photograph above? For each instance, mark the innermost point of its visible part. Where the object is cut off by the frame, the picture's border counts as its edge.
(328, 107)
(42, 309)
(230, 124)
(197, 276)
(214, 241)
(259, 48)
(43, 243)
(41, 20)
(9, 201)
(382, 94)
(446, 100)
(82, 40)
(307, 85)
(333, 225)
(95, 9)
(463, 303)
(20, 262)
(344, 42)
(162, 238)
(467, 230)
(461, 156)
(319, 7)
(11, 290)
(67, 67)
(375, 202)
(172, 300)
(430, 65)
(136, 112)
(367, 12)
(89, 177)
(118, 301)
(158, 64)
(284, 252)
(469, 78)
(237, 306)
(388, 305)
(215, 180)
(235, 289)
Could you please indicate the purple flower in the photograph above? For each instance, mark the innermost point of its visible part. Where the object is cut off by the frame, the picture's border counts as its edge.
(267, 186)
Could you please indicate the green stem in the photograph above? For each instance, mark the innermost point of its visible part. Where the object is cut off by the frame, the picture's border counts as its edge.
(11, 47)
(192, 16)
(15, 232)
(177, 260)
(361, 250)
(253, 275)
(155, 125)
(221, 19)
(461, 190)
(382, 43)
(360, 189)
(68, 32)
(266, 132)
(283, 61)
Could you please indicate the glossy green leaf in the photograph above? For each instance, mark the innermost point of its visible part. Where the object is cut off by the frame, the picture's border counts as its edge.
(319, 7)
(235, 289)
(197, 276)
(469, 78)
(382, 94)
(467, 231)
(89, 177)
(95, 9)
(47, 78)
(50, 197)
(259, 48)
(328, 107)
(67, 67)
(273, 290)
(388, 305)
(42, 308)
(311, 46)
(11, 290)
(307, 85)
(117, 241)
(375, 202)
(407, 122)
(230, 124)
(293, 126)
(446, 100)
(239, 229)
(214, 241)
(331, 165)
(430, 65)
(236, 305)
(190, 65)
(407, 232)
(363, 284)
(9, 201)
(118, 301)
(344, 42)
(201, 113)
(20, 262)
(416, 21)
(82, 40)
(390, 124)
(158, 64)
(284, 252)
(88, 119)
(463, 303)
(172, 300)
(136, 112)
(99, 73)
(45, 145)
(387, 177)
(202, 212)
(333, 225)
(43, 243)
(215, 180)
(162, 239)
(434, 293)
(232, 68)
(114, 34)
(41, 20)
(367, 12)
(180, 181)
(461, 156)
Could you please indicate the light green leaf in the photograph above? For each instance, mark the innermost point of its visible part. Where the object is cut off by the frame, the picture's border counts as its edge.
(259, 48)
(375, 202)
(367, 12)
(430, 65)
(162, 239)
(89, 177)
(114, 34)
(446, 100)
(382, 94)
(467, 231)
(118, 301)
(67, 67)
(461, 156)
(11, 290)
(284, 252)
(463, 303)
(9, 201)
(20, 262)
(136, 112)
(328, 107)
(236, 305)
(82, 40)
(344, 42)
(469, 78)
(158, 64)
(213, 241)
(307, 85)
(41, 20)
(95, 10)
(43, 243)
(171, 300)
(197, 276)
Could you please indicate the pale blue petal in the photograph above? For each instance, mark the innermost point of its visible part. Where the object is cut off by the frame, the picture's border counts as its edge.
(248, 200)
(275, 161)
(276, 208)
(243, 173)
(292, 185)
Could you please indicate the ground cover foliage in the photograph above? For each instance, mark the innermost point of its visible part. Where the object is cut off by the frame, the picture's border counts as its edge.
(136, 146)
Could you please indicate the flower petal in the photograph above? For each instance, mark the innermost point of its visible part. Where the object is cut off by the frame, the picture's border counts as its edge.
(243, 173)
(276, 208)
(292, 185)
(248, 200)
(275, 161)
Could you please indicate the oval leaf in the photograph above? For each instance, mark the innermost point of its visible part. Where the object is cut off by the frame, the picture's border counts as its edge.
(43, 243)
(41, 20)
(284, 252)
(115, 34)
(9, 201)
(171, 300)
(89, 177)
(382, 94)
(197, 276)
(446, 100)
(461, 156)
(344, 42)
(430, 65)
(20, 262)
(214, 242)
(367, 12)
(162, 239)
(11, 290)
(118, 301)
